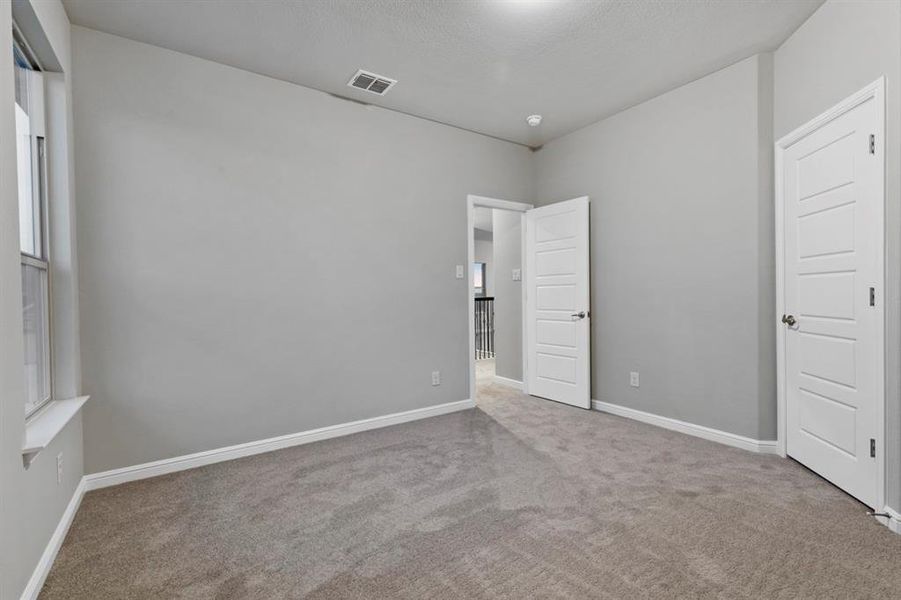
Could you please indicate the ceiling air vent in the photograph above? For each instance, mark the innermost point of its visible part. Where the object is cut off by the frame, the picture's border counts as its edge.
(377, 84)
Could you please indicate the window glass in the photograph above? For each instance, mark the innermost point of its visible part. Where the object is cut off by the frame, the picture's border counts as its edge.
(36, 317)
(32, 191)
(478, 277)
(30, 239)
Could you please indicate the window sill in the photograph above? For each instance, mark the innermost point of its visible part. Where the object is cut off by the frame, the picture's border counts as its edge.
(41, 429)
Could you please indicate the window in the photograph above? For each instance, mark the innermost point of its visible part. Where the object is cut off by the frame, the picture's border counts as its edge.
(478, 278)
(32, 182)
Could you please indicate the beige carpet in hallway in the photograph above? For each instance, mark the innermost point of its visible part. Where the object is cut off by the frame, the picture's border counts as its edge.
(484, 371)
(519, 498)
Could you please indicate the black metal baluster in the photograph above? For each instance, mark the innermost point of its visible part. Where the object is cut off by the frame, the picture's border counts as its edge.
(478, 329)
(487, 328)
(478, 310)
(491, 328)
(482, 327)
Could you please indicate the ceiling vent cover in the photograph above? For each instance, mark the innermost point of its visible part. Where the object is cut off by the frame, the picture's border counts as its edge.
(376, 84)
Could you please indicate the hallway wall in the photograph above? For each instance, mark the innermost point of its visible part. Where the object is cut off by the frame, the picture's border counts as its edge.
(508, 294)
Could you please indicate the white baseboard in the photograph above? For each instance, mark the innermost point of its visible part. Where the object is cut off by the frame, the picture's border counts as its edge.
(893, 521)
(707, 433)
(508, 382)
(189, 461)
(39, 575)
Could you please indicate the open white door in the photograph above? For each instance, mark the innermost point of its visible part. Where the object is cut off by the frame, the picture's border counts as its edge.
(830, 184)
(558, 361)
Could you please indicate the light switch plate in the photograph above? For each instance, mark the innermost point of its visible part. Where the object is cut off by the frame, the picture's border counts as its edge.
(517, 274)
(459, 271)
(633, 378)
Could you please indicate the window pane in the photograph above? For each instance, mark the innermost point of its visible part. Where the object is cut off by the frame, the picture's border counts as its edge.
(478, 278)
(36, 317)
(29, 198)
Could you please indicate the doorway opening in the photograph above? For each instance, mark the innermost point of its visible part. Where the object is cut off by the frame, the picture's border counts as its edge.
(495, 294)
(538, 331)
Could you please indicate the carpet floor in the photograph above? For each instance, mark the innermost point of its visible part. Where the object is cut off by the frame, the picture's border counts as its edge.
(518, 498)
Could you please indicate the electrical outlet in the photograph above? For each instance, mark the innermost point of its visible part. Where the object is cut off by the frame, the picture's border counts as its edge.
(59, 468)
(436, 377)
(517, 274)
(460, 271)
(633, 378)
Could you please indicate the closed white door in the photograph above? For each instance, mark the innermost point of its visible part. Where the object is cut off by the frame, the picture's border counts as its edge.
(832, 195)
(558, 360)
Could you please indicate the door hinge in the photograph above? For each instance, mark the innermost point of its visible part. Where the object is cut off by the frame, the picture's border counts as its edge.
(872, 296)
(872, 448)
(872, 143)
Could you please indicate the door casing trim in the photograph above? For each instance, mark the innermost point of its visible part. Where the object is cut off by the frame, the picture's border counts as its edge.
(876, 92)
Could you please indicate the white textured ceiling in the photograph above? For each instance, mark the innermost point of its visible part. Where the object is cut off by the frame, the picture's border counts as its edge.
(482, 65)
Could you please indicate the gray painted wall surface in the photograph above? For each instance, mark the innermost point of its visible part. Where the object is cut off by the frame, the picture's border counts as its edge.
(258, 258)
(31, 501)
(843, 47)
(680, 249)
(508, 294)
(766, 250)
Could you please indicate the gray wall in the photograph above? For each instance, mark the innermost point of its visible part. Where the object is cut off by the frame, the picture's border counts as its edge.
(843, 47)
(258, 258)
(508, 294)
(31, 500)
(681, 249)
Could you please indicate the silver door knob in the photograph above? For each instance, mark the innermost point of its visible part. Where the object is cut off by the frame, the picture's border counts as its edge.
(579, 315)
(789, 320)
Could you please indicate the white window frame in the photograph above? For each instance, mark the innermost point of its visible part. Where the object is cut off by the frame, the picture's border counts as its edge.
(40, 179)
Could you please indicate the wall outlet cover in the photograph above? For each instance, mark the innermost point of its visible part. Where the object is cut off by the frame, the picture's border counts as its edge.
(436, 377)
(633, 379)
(459, 271)
(517, 274)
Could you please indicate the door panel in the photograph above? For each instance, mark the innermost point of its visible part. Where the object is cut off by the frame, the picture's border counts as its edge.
(827, 295)
(557, 291)
(828, 167)
(832, 224)
(832, 422)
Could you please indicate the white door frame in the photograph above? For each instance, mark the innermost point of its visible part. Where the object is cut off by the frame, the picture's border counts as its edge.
(472, 201)
(875, 91)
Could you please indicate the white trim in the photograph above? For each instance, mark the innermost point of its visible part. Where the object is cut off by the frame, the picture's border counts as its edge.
(514, 383)
(39, 575)
(100, 480)
(876, 91)
(893, 521)
(199, 459)
(471, 202)
(707, 433)
(42, 427)
(486, 202)
(180, 463)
